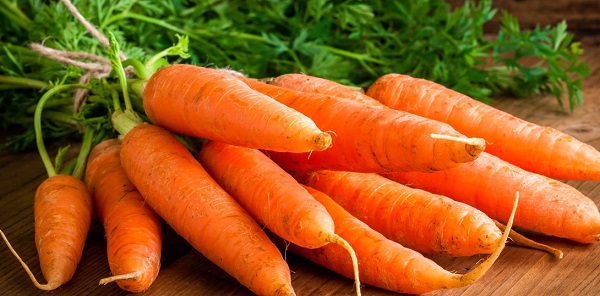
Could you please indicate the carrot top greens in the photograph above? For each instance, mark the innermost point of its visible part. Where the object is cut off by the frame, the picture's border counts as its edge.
(352, 42)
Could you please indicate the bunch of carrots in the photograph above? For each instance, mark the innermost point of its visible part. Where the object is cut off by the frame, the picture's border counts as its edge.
(362, 183)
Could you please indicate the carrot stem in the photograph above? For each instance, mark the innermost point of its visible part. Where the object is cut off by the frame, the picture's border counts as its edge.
(60, 117)
(179, 49)
(118, 68)
(49, 286)
(37, 122)
(86, 146)
(10, 82)
(124, 121)
(138, 68)
(59, 102)
(68, 168)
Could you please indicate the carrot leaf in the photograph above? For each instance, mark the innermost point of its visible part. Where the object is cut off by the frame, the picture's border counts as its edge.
(351, 42)
(179, 49)
(60, 156)
(118, 68)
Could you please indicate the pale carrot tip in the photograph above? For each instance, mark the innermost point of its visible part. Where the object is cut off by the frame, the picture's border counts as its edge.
(474, 145)
(322, 141)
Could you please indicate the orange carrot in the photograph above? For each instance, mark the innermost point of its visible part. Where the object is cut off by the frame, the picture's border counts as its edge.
(385, 263)
(312, 84)
(535, 148)
(371, 139)
(210, 104)
(417, 219)
(178, 188)
(547, 206)
(273, 197)
(63, 214)
(133, 230)
(62, 209)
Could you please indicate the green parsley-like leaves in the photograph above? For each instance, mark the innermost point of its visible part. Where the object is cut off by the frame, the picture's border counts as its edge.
(349, 41)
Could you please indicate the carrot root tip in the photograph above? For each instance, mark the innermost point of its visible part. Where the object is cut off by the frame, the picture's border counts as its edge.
(336, 239)
(480, 270)
(127, 276)
(51, 285)
(476, 145)
(322, 141)
(520, 240)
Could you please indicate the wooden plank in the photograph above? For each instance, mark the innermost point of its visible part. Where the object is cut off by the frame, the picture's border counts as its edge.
(580, 15)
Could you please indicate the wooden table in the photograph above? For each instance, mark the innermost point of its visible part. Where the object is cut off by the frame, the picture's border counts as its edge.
(519, 271)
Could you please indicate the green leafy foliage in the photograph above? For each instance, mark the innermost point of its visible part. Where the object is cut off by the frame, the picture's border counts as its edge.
(352, 42)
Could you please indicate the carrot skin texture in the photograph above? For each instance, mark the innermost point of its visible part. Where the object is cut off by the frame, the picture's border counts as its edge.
(210, 104)
(267, 192)
(556, 154)
(369, 138)
(384, 263)
(445, 226)
(63, 214)
(312, 84)
(179, 189)
(133, 229)
(547, 206)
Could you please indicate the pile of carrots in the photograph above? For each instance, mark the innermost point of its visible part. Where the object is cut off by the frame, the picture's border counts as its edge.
(362, 183)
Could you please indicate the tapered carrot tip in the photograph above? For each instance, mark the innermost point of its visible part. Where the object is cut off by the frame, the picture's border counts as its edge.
(479, 271)
(336, 239)
(322, 141)
(520, 240)
(51, 285)
(474, 146)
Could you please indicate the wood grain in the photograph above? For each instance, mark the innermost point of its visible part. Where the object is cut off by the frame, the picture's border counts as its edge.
(580, 15)
(519, 271)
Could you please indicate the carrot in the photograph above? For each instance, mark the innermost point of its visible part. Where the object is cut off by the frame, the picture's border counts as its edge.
(180, 191)
(417, 219)
(210, 104)
(371, 139)
(548, 206)
(133, 230)
(312, 84)
(385, 263)
(63, 214)
(273, 197)
(535, 148)
(178, 188)
(62, 210)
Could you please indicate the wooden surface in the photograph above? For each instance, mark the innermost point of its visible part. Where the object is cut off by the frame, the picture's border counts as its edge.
(518, 271)
(581, 15)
